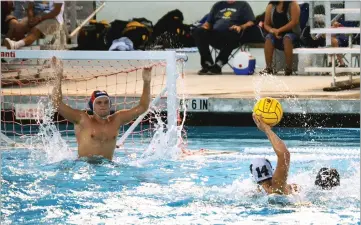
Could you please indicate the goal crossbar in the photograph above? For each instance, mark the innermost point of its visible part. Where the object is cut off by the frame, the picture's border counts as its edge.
(91, 55)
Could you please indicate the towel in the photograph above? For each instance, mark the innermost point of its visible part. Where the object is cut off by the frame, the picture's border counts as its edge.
(122, 44)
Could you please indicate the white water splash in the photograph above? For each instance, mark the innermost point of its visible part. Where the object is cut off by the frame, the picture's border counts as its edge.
(48, 140)
(347, 194)
(167, 142)
(269, 82)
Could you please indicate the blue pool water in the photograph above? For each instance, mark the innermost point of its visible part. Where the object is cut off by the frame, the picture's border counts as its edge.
(213, 189)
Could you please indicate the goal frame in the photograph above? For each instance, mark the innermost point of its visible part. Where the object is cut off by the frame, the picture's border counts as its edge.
(170, 58)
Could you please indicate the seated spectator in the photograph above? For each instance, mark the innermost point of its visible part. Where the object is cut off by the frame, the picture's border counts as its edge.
(223, 30)
(44, 18)
(327, 178)
(10, 26)
(282, 25)
(338, 40)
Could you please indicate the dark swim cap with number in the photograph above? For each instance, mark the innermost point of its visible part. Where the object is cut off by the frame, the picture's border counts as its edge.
(261, 169)
(327, 178)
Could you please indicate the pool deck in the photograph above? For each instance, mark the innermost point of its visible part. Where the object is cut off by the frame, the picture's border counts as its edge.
(279, 86)
(220, 93)
(297, 94)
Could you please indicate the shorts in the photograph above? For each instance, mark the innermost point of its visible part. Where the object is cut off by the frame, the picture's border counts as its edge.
(278, 43)
(46, 27)
(342, 40)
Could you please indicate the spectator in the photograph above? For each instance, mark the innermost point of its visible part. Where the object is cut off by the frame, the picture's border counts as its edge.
(338, 40)
(223, 30)
(44, 18)
(10, 26)
(282, 25)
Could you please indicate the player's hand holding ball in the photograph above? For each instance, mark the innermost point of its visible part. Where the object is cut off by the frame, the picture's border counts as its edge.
(269, 110)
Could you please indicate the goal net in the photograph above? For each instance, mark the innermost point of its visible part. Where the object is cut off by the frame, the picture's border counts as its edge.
(27, 83)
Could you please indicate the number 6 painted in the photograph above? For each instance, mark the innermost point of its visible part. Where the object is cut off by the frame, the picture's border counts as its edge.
(194, 104)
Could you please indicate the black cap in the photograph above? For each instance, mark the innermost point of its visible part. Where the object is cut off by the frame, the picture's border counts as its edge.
(327, 178)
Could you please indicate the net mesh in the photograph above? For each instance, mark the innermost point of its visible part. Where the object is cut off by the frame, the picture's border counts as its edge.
(27, 83)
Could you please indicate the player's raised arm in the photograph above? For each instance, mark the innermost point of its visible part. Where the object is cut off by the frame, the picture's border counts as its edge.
(124, 116)
(73, 115)
(279, 179)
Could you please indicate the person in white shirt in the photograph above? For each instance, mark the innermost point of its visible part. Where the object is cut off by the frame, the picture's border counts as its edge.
(44, 18)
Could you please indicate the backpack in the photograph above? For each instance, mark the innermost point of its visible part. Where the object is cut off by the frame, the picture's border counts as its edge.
(115, 30)
(92, 36)
(138, 30)
(138, 33)
(170, 32)
(307, 40)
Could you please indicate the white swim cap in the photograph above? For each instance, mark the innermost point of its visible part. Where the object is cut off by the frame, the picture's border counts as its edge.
(261, 169)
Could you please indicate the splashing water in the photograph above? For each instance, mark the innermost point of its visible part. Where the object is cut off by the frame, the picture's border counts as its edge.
(48, 140)
(269, 82)
(166, 142)
(162, 145)
(166, 40)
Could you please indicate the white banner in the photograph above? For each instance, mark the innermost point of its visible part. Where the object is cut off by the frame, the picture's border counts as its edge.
(29, 111)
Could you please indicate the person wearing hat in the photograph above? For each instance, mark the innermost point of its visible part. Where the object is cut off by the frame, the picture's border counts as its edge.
(261, 169)
(96, 134)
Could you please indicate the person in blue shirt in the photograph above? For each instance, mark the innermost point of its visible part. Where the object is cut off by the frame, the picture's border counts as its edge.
(223, 30)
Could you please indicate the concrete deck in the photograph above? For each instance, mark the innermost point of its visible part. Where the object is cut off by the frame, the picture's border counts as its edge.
(233, 86)
(82, 80)
(221, 93)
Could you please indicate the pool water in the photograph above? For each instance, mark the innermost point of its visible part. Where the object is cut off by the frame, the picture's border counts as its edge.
(213, 189)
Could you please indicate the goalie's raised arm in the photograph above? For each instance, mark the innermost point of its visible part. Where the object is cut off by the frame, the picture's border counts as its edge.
(124, 116)
(68, 113)
(57, 96)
